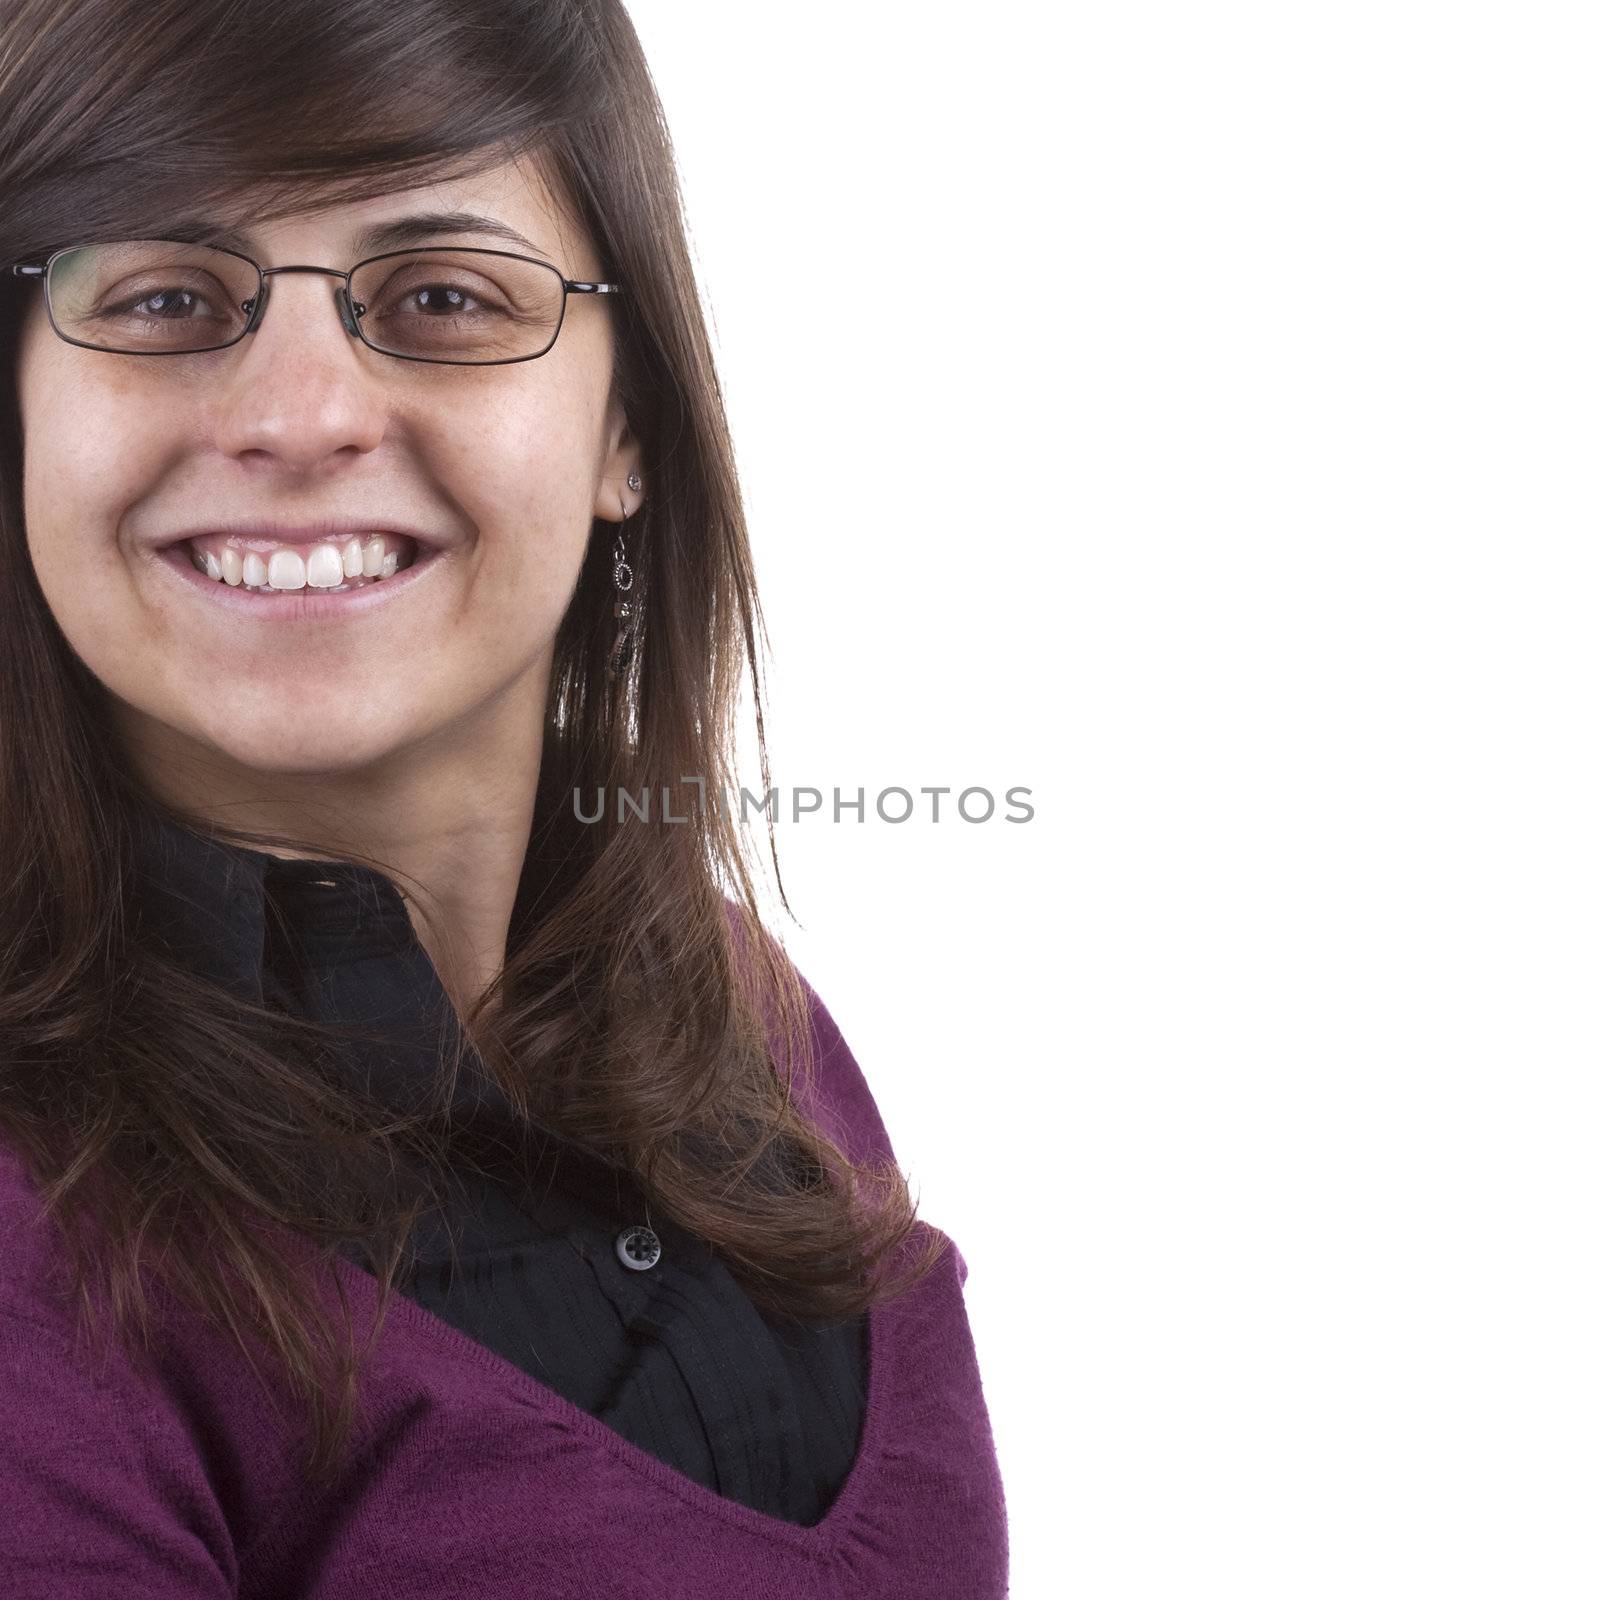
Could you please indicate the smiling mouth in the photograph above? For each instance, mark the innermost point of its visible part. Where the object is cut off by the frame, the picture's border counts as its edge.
(263, 566)
(300, 599)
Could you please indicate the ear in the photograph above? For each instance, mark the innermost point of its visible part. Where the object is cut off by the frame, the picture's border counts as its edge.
(613, 499)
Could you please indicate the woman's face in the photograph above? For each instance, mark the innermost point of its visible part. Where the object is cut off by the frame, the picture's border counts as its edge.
(501, 467)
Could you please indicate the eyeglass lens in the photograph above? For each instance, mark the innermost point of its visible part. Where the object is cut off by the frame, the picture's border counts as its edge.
(154, 296)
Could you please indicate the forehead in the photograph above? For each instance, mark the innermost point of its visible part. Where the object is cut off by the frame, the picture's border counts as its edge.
(512, 205)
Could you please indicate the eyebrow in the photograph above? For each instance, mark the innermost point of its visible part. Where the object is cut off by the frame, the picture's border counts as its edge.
(396, 234)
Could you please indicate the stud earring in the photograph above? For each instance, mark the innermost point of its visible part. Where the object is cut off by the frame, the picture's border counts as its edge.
(625, 611)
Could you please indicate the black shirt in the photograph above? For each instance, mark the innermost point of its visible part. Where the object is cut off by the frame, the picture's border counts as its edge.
(674, 1356)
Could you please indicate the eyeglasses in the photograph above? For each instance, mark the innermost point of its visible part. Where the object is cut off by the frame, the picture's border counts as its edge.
(162, 297)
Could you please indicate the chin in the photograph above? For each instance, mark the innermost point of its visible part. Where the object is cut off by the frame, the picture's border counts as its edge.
(339, 744)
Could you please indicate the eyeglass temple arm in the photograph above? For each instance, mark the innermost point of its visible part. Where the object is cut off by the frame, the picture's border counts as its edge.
(28, 269)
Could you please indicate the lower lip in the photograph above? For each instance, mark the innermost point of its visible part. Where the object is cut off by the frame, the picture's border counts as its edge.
(299, 605)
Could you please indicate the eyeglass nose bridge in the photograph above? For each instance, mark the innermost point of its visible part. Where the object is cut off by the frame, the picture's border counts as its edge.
(349, 310)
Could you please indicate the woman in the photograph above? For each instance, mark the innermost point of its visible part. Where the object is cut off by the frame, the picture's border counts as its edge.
(367, 503)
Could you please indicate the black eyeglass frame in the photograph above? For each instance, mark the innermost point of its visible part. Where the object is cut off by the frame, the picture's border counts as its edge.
(350, 311)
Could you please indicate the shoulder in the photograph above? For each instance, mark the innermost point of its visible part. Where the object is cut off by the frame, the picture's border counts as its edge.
(39, 1303)
(171, 1450)
(27, 1286)
(97, 1472)
(831, 1087)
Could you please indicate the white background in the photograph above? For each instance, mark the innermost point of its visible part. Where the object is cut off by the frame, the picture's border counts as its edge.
(1189, 412)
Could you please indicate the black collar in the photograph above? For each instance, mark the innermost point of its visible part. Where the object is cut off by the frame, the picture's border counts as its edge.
(210, 903)
(332, 941)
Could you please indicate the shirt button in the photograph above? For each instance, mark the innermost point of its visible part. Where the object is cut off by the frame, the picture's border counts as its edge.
(638, 1248)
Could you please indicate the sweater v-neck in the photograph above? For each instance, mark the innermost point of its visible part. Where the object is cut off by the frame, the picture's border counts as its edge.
(815, 1538)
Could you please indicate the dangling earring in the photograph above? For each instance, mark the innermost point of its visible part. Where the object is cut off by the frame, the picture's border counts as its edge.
(624, 610)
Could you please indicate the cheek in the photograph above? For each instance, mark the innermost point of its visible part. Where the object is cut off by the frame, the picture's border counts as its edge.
(82, 464)
(86, 451)
(526, 485)
(71, 538)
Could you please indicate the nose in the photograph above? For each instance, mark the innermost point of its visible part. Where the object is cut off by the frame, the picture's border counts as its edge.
(301, 390)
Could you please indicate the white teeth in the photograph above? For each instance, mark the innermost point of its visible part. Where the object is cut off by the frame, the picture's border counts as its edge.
(328, 566)
(285, 570)
(325, 568)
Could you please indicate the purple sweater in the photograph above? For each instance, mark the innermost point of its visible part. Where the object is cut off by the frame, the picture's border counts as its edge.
(475, 1479)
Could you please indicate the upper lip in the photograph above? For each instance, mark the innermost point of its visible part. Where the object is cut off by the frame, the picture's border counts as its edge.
(326, 528)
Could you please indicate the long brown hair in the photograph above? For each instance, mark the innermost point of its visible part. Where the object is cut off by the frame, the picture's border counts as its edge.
(180, 1135)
